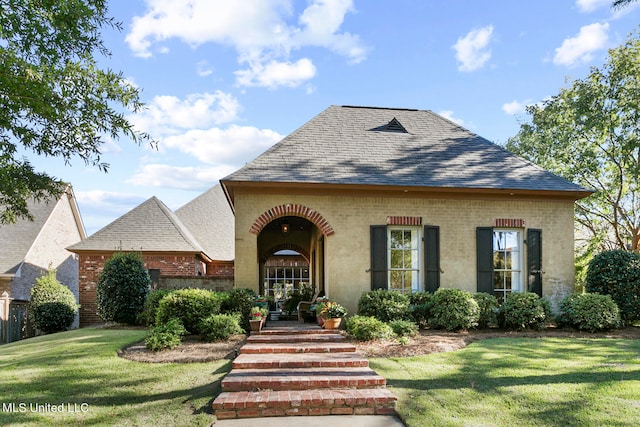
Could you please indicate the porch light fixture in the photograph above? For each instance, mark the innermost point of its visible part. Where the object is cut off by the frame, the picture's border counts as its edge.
(284, 227)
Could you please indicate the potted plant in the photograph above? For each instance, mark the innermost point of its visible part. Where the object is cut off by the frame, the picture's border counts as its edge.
(255, 319)
(333, 314)
(319, 306)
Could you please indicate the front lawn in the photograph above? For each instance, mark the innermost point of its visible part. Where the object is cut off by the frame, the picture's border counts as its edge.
(79, 373)
(520, 381)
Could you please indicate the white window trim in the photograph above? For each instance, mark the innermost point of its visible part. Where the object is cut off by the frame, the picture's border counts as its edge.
(520, 283)
(418, 284)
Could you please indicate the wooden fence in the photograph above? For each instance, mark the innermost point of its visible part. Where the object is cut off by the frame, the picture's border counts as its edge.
(14, 320)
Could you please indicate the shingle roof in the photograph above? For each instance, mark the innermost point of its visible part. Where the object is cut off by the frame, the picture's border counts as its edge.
(16, 239)
(151, 226)
(211, 221)
(365, 146)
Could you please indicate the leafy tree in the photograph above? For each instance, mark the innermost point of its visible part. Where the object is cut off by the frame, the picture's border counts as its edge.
(122, 288)
(619, 4)
(54, 100)
(590, 134)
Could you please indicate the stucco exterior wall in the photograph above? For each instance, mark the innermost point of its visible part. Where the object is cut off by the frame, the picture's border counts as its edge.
(347, 254)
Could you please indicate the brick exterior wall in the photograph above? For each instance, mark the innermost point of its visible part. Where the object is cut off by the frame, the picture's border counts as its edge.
(347, 249)
(91, 265)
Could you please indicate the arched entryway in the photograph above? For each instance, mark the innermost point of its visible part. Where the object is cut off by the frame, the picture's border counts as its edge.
(290, 251)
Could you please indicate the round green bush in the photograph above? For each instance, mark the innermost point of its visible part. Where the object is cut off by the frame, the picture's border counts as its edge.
(52, 307)
(488, 305)
(239, 300)
(122, 288)
(590, 312)
(167, 335)
(384, 305)
(524, 311)
(617, 273)
(404, 328)
(151, 303)
(190, 306)
(454, 310)
(367, 328)
(218, 327)
(420, 306)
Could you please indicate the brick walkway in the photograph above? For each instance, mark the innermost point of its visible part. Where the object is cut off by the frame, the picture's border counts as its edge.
(300, 369)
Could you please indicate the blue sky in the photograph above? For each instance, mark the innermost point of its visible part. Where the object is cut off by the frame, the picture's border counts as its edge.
(224, 80)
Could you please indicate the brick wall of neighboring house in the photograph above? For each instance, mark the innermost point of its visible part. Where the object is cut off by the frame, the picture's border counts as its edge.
(221, 269)
(91, 265)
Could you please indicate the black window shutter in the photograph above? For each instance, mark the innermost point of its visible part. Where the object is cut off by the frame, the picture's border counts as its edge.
(534, 260)
(379, 257)
(431, 258)
(484, 253)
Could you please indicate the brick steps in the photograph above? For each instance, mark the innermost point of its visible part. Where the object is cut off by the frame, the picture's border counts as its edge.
(294, 338)
(299, 347)
(304, 360)
(298, 370)
(247, 404)
(301, 379)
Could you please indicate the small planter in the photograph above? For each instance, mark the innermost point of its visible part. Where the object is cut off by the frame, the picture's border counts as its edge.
(320, 320)
(332, 323)
(256, 325)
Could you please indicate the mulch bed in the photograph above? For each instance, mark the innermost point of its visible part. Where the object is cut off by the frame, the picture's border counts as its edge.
(428, 341)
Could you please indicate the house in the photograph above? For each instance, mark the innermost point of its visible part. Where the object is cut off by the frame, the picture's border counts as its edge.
(405, 200)
(196, 241)
(30, 247)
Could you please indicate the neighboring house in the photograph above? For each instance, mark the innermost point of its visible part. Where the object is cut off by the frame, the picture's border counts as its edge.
(405, 200)
(30, 248)
(196, 240)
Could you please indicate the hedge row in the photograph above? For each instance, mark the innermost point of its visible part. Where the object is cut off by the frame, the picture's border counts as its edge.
(455, 309)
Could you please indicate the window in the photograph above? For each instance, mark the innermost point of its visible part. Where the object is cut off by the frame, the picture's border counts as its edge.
(404, 259)
(507, 263)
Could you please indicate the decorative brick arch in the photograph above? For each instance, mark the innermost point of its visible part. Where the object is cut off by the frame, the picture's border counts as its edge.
(291, 210)
(284, 246)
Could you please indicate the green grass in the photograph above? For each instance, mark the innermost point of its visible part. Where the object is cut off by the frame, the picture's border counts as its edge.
(520, 382)
(81, 367)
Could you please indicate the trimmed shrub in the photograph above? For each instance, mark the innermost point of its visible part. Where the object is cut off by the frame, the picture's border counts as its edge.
(122, 288)
(218, 327)
(52, 307)
(168, 335)
(523, 311)
(239, 300)
(590, 312)
(148, 315)
(367, 328)
(404, 328)
(420, 306)
(384, 305)
(453, 310)
(617, 273)
(488, 305)
(190, 306)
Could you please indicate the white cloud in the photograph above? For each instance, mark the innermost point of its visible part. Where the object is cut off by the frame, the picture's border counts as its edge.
(183, 178)
(103, 203)
(579, 49)
(166, 115)
(472, 50)
(515, 107)
(263, 32)
(235, 144)
(586, 6)
(203, 69)
(448, 114)
(274, 74)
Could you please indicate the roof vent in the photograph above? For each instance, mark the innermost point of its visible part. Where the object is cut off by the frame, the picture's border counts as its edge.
(393, 126)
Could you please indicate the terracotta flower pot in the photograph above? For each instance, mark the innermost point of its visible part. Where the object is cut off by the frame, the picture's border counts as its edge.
(256, 325)
(332, 323)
